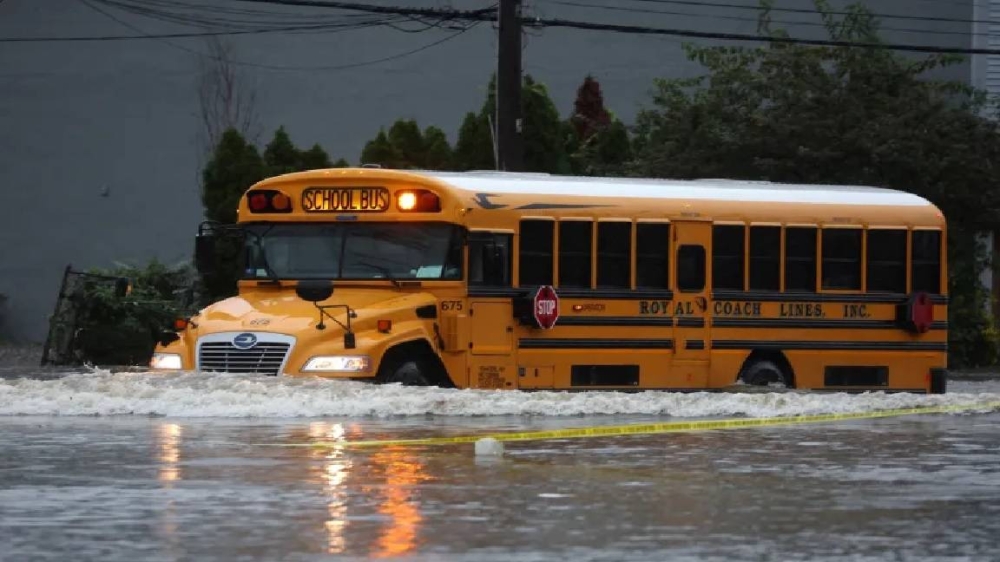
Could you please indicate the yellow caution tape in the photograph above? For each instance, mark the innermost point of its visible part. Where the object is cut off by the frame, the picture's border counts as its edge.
(654, 428)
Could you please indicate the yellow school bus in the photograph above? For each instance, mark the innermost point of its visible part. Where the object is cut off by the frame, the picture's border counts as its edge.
(529, 281)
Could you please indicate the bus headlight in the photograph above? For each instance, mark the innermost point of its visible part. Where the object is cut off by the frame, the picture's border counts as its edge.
(338, 363)
(170, 361)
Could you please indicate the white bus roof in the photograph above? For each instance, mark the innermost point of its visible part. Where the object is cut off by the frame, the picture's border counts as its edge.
(701, 189)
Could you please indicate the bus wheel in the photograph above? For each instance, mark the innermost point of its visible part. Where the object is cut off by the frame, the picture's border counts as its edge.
(409, 373)
(764, 373)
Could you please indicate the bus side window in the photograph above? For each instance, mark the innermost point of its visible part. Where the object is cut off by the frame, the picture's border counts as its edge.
(575, 249)
(728, 256)
(800, 258)
(886, 267)
(614, 255)
(842, 258)
(652, 262)
(535, 252)
(489, 259)
(765, 258)
(691, 268)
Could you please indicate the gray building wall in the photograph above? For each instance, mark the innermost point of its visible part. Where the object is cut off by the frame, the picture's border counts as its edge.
(99, 141)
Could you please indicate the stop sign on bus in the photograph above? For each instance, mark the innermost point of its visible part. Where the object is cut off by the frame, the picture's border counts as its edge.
(546, 307)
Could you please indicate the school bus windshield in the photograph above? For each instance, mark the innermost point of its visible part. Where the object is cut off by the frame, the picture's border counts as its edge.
(355, 251)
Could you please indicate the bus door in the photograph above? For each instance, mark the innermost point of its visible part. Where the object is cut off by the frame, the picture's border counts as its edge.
(692, 247)
(491, 337)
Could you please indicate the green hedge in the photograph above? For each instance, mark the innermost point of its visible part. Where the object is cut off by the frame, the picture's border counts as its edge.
(123, 331)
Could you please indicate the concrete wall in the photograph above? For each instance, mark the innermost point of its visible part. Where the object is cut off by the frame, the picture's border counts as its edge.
(99, 154)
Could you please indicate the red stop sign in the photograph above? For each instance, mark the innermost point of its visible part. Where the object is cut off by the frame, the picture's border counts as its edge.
(545, 307)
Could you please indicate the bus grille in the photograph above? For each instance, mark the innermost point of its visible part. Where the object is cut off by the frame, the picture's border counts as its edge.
(263, 359)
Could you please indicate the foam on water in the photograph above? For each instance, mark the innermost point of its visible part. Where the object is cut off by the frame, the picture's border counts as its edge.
(103, 393)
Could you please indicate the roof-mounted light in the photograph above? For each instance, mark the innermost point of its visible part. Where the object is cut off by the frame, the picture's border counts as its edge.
(268, 201)
(418, 201)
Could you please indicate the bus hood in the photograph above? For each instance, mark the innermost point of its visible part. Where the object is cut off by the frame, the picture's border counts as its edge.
(286, 313)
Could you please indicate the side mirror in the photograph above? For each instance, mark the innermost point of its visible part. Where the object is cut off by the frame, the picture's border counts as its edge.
(122, 287)
(314, 291)
(204, 253)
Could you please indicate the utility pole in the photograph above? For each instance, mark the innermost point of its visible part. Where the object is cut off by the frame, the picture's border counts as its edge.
(510, 148)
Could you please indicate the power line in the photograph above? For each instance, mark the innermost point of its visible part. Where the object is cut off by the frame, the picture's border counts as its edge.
(701, 3)
(487, 15)
(214, 17)
(483, 14)
(746, 19)
(85, 38)
(114, 18)
(638, 30)
(641, 30)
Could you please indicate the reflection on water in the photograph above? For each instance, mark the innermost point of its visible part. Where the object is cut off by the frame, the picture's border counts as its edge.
(390, 478)
(169, 440)
(332, 471)
(403, 472)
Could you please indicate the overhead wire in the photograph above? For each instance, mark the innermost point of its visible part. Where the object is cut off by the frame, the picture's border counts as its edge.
(90, 4)
(487, 14)
(644, 30)
(756, 8)
(624, 9)
(182, 13)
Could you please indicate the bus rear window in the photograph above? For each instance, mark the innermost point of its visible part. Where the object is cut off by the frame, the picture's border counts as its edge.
(926, 264)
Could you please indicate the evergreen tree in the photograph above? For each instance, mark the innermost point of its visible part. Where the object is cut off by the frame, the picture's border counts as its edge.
(599, 144)
(474, 146)
(379, 151)
(408, 145)
(315, 159)
(235, 166)
(405, 147)
(437, 151)
(280, 155)
(589, 114)
(543, 133)
(544, 142)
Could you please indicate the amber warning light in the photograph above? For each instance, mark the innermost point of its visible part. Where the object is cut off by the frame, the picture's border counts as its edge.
(418, 201)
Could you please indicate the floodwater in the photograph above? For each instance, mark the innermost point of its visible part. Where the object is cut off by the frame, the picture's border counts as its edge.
(130, 466)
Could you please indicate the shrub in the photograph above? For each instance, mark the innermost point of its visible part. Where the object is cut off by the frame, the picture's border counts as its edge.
(111, 330)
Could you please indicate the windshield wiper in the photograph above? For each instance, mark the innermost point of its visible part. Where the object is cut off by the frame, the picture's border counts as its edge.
(384, 271)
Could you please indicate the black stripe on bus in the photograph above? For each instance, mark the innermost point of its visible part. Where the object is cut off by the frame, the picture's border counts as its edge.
(882, 298)
(798, 323)
(690, 322)
(497, 292)
(695, 344)
(614, 294)
(831, 345)
(753, 296)
(602, 343)
(608, 294)
(662, 321)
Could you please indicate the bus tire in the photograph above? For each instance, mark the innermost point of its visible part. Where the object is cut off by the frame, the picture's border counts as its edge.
(409, 373)
(764, 373)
